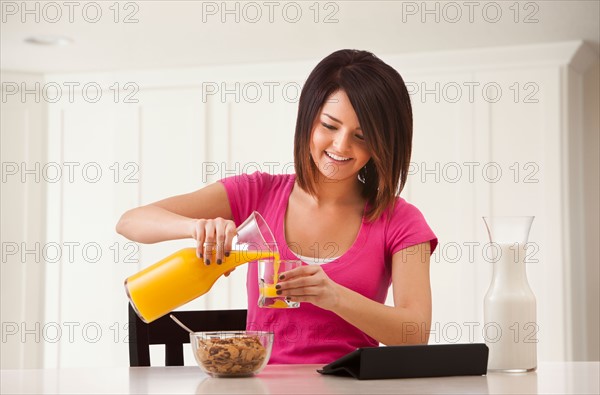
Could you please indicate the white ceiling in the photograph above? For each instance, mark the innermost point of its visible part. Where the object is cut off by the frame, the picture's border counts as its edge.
(173, 33)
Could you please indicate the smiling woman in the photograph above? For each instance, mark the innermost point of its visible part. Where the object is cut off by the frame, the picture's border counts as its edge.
(340, 213)
(372, 97)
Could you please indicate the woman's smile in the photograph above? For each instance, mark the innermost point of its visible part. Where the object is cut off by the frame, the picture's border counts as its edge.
(337, 158)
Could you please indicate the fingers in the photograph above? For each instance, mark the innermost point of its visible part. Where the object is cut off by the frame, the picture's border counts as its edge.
(230, 232)
(295, 294)
(310, 284)
(225, 230)
(302, 281)
(304, 270)
(209, 241)
(199, 236)
(298, 283)
(214, 239)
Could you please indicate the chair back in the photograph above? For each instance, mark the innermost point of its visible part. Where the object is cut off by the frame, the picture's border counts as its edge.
(165, 331)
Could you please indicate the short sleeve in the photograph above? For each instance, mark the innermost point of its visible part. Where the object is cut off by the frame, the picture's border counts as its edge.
(244, 192)
(407, 227)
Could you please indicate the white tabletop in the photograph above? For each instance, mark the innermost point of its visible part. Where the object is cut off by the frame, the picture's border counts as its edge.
(557, 378)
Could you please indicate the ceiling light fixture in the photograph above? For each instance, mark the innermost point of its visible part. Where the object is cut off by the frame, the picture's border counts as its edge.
(49, 40)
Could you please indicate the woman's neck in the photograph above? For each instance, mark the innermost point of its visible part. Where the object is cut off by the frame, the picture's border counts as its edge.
(337, 192)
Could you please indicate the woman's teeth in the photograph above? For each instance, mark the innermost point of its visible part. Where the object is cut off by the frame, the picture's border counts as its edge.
(335, 157)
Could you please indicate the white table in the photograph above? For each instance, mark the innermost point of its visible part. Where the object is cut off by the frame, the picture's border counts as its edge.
(558, 378)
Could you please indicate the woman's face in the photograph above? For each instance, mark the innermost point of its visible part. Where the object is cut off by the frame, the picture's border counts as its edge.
(337, 143)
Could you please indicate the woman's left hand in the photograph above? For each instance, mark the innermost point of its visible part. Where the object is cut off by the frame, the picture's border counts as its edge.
(309, 283)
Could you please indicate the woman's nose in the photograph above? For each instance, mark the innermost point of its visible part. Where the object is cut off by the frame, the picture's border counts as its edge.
(342, 142)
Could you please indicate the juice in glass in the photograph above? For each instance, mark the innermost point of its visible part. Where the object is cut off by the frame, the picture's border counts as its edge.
(268, 277)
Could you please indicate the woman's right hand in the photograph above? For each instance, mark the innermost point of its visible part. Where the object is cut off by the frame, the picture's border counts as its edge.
(213, 234)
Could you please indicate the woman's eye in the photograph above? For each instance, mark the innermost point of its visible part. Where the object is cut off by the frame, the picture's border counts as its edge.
(360, 137)
(327, 126)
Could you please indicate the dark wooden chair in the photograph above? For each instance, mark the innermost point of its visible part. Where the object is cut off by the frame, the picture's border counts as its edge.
(165, 331)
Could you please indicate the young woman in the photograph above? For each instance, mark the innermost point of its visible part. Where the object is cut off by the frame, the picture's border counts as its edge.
(340, 213)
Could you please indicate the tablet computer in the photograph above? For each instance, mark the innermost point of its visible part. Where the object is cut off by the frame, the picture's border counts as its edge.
(411, 361)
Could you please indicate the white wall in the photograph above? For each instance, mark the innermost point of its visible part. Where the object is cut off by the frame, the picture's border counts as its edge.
(23, 144)
(175, 136)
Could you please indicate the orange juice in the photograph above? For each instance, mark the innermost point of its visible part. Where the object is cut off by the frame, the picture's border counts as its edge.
(268, 290)
(279, 304)
(268, 277)
(180, 278)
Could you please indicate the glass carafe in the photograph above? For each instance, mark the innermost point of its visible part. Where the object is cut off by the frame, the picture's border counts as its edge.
(182, 276)
(509, 308)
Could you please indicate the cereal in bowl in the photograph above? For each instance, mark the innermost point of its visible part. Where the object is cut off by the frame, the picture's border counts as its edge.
(234, 355)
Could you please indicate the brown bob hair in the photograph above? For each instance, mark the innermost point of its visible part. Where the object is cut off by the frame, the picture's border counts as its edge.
(382, 104)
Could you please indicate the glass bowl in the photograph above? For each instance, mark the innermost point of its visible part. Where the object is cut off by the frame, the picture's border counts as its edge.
(232, 353)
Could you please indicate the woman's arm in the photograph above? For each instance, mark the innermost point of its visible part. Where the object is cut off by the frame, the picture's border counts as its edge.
(408, 322)
(174, 217)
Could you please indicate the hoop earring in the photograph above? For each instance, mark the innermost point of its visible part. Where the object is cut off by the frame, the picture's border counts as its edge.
(362, 174)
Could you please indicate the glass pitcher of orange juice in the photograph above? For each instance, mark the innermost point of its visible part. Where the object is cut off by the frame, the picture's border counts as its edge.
(182, 276)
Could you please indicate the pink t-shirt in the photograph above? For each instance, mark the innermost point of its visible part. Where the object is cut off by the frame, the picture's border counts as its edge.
(310, 334)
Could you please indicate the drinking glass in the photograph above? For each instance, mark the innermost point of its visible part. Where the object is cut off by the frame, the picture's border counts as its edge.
(269, 270)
